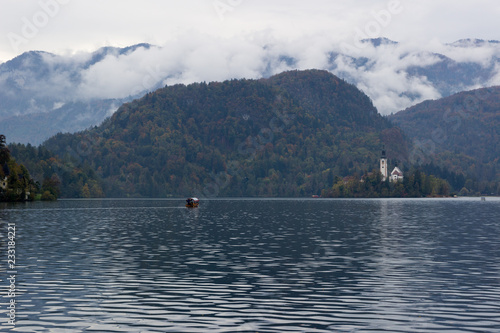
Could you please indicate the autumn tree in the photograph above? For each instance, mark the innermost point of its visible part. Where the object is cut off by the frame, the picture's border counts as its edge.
(4, 151)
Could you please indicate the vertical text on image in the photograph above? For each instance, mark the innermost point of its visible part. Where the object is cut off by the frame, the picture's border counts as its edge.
(12, 273)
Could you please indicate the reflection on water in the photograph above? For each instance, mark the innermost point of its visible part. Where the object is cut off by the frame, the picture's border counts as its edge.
(257, 266)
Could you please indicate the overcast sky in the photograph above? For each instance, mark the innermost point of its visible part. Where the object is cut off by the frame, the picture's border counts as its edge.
(68, 26)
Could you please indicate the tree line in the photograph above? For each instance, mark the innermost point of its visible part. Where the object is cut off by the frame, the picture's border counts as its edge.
(415, 184)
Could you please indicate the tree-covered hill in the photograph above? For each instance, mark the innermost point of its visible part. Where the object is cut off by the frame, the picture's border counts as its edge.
(461, 133)
(64, 177)
(289, 135)
(16, 183)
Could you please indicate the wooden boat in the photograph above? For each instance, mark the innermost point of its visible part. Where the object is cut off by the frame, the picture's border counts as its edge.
(192, 202)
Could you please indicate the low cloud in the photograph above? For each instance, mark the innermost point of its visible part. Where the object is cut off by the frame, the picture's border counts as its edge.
(383, 75)
(389, 73)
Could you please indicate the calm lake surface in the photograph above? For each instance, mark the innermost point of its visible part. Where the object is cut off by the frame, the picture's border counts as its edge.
(254, 266)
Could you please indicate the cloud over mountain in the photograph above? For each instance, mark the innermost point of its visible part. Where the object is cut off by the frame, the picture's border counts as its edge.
(395, 75)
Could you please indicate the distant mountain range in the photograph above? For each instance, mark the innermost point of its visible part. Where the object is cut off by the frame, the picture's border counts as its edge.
(40, 82)
(42, 94)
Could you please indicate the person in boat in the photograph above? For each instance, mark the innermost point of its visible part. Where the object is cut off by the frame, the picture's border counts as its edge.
(192, 202)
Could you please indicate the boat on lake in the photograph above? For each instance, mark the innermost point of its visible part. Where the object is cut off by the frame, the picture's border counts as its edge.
(192, 202)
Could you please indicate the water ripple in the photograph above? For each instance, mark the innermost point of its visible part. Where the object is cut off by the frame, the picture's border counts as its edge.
(257, 266)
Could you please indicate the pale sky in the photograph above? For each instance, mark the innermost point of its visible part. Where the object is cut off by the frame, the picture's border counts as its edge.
(69, 26)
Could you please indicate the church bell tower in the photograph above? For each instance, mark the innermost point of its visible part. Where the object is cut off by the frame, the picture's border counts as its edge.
(383, 165)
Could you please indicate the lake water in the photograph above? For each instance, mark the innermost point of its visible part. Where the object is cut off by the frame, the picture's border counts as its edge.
(254, 266)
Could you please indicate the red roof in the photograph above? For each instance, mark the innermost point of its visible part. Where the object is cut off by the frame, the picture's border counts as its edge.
(397, 172)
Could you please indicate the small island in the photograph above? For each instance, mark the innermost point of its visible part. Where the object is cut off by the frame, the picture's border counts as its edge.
(381, 184)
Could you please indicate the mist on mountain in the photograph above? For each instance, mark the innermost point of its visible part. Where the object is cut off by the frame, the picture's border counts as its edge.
(394, 75)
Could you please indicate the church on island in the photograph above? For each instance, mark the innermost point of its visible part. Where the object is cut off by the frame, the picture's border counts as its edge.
(396, 174)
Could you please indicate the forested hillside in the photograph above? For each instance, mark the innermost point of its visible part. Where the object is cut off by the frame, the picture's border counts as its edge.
(64, 177)
(16, 183)
(460, 133)
(289, 135)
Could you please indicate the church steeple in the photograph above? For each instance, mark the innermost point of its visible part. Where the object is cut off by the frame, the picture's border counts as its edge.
(383, 165)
